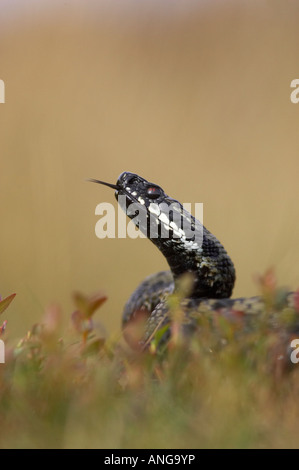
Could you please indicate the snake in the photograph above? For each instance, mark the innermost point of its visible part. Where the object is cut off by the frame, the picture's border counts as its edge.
(191, 250)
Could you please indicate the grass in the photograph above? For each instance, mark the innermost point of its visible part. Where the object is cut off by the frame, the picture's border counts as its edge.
(71, 388)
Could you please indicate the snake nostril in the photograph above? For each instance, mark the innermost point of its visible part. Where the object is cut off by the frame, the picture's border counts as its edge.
(131, 180)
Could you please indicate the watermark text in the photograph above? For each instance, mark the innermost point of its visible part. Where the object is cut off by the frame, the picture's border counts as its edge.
(295, 93)
(2, 352)
(2, 91)
(295, 354)
(153, 221)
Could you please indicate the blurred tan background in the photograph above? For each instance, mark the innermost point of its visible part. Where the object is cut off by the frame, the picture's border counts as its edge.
(194, 98)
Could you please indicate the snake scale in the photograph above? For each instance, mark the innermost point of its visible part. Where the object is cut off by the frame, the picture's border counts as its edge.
(195, 251)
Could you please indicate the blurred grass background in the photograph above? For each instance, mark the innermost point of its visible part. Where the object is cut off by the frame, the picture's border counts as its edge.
(194, 98)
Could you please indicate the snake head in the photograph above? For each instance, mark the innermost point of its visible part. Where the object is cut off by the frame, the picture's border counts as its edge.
(160, 217)
(138, 189)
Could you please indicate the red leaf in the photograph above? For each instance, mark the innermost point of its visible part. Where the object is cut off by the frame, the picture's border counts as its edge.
(296, 300)
(88, 305)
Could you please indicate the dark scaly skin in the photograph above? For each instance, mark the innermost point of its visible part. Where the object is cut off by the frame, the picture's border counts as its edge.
(211, 267)
(154, 289)
(244, 311)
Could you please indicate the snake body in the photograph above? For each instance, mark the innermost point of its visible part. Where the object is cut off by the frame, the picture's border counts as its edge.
(195, 251)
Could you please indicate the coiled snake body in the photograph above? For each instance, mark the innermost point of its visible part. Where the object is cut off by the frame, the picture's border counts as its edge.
(195, 251)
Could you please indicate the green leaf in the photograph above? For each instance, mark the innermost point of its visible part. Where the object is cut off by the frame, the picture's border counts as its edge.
(94, 347)
(5, 302)
(160, 333)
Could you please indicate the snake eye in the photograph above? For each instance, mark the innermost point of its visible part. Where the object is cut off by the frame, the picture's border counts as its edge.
(153, 192)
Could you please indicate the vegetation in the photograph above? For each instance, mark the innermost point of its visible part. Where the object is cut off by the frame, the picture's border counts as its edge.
(73, 388)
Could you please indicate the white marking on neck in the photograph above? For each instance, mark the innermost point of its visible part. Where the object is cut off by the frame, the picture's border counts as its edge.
(154, 209)
(163, 217)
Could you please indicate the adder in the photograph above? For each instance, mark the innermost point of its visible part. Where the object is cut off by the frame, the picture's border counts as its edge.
(194, 250)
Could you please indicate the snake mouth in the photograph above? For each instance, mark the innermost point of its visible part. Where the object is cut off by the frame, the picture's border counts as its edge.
(119, 190)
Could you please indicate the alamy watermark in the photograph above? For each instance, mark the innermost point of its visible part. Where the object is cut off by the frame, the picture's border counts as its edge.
(2, 91)
(295, 354)
(295, 93)
(2, 352)
(154, 221)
